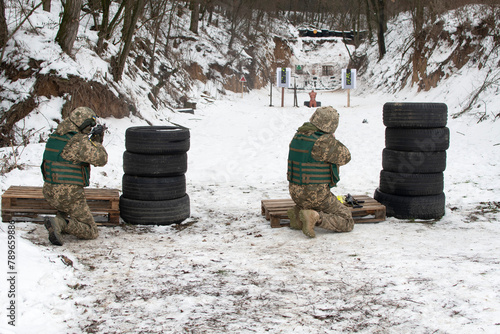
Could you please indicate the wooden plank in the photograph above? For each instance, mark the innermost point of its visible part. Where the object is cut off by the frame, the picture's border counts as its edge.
(104, 219)
(26, 201)
(36, 193)
(276, 222)
(276, 209)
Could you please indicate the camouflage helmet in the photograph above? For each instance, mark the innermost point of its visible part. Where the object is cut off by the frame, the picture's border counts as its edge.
(83, 117)
(326, 119)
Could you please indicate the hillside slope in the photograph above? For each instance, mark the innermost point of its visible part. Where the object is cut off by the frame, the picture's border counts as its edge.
(458, 63)
(461, 51)
(35, 70)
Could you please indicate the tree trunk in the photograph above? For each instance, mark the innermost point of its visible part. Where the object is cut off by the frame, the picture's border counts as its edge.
(131, 17)
(68, 29)
(127, 17)
(106, 29)
(210, 14)
(382, 26)
(4, 32)
(103, 28)
(159, 15)
(419, 61)
(379, 6)
(235, 21)
(170, 23)
(195, 16)
(47, 5)
(369, 19)
(418, 18)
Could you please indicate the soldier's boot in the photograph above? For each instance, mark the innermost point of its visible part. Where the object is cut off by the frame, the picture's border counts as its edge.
(309, 219)
(293, 214)
(61, 219)
(55, 227)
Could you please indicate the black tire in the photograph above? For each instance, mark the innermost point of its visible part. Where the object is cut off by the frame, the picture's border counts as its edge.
(412, 207)
(413, 162)
(154, 212)
(154, 165)
(405, 184)
(415, 115)
(417, 140)
(157, 139)
(153, 188)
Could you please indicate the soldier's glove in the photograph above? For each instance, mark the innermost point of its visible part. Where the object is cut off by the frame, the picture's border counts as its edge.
(97, 133)
(97, 138)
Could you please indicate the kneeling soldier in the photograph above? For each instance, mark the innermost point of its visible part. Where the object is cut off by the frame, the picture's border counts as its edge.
(313, 168)
(66, 171)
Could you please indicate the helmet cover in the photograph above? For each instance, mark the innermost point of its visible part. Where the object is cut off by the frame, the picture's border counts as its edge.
(326, 119)
(83, 117)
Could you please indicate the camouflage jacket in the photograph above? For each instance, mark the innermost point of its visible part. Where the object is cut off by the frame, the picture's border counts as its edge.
(327, 148)
(80, 149)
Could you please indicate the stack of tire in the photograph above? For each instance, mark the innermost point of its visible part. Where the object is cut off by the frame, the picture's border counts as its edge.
(414, 159)
(154, 183)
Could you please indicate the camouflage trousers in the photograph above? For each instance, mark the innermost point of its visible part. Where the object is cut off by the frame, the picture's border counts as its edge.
(72, 205)
(334, 216)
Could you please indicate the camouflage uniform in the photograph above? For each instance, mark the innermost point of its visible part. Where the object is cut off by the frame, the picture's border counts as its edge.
(333, 215)
(69, 199)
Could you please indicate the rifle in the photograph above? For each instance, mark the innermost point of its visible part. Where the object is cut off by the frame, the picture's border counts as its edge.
(97, 133)
(352, 202)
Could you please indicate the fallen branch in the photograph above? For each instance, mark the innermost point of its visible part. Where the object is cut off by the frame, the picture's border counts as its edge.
(495, 80)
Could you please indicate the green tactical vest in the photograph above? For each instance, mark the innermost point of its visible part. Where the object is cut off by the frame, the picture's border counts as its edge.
(57, 170)
(303, 168)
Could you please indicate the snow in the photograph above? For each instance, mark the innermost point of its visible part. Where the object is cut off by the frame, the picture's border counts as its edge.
(226, 270)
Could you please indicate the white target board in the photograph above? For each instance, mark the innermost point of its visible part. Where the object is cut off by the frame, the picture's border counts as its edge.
(348, 78)
(283, 75)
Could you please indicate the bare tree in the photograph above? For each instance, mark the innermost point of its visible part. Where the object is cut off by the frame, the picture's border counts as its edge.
(236, 8)
(207, 6)
(378, 9)
(195, 15)
(158, 12)
(133, 10)
(68, 29)
(103, 28)
(46, 5)
(4, 33)
(419, 61)
(170, 23)
(106, 28)
(9, 36)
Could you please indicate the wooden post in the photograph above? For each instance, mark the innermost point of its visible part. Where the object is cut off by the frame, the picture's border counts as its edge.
(242, 80)
(295, 102)
(271, 95)
(282, 97)
(348, 98)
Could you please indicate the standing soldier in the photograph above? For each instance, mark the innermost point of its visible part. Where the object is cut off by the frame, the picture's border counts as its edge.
(66, 171)
(313, 168)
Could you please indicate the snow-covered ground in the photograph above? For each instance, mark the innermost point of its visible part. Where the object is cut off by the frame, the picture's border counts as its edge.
(226, 270)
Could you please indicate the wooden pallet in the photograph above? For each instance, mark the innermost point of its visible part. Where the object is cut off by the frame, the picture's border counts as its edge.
(29, 202)
(275, 210)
